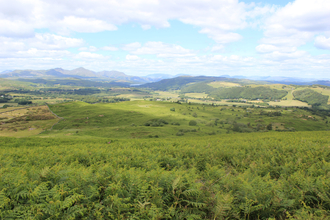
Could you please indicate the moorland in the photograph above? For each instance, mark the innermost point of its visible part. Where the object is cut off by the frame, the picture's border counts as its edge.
(182, 148)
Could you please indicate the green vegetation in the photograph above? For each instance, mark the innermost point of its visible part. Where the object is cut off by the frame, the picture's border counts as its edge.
(268, 175)
(311, 97)
(110, 158)
(252, 93)
(198, 88)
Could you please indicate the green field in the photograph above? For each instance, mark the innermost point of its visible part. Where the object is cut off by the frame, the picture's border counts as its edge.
(196, 95)
(147, 119)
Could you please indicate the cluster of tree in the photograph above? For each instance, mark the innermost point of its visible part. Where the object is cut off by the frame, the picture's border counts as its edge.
(247, 92)
(4, 97)
(82, 91)
(311, 97)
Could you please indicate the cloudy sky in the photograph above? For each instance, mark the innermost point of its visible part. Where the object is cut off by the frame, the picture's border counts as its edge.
(141, 37)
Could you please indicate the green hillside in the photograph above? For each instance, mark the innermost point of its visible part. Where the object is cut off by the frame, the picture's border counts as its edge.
(260, 176)
(198, 88)
(147, 119)
(252, 93)
(112, 158)
(311, 97)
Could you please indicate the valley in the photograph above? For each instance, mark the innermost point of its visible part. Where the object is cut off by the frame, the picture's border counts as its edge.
(205, 150)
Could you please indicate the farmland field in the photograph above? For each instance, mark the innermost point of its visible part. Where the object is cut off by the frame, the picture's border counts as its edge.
(196, 95)
(289, 103)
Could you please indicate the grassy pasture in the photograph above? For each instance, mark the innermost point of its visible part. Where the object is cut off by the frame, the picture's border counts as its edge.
(197, 95)
(289, 103)
(163, 94)
(128, 119)
(219, 84)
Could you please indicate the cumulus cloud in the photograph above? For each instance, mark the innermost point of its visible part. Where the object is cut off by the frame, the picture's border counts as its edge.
(215, 18)
(41, 44)
(132, 57)
(83, 25)
(89, 55)
(109, 48)
(220, 36)
(217, 48)
(162, 50)
(131, 46)
(297, 23)
(268, 48)
(322, 42)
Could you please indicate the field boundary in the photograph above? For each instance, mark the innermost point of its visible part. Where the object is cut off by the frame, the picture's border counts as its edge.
(61, 118)
(14, 110)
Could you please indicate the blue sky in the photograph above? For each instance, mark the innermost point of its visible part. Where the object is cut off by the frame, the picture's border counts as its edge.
(195, 37)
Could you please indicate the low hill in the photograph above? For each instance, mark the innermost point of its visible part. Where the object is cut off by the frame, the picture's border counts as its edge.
(311, 97)
(252, 93)
(178, 82)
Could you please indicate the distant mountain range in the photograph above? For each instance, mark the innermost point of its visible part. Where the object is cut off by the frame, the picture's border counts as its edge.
(82, 73)
(157, 78)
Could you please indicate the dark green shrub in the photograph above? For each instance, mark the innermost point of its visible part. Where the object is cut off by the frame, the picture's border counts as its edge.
(192, 123)
(269, 127)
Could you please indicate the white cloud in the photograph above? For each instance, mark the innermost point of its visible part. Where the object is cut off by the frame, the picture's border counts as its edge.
(268, 48)
(280, 56)
(158, 48)
(52, 41)
(131, 46)
(132, 57)
(220, 36)
(89, 55)
(42, 44)
(214, 17)
(297, 23)
(217, 48)
(37, 53)
(322, 42)
(84, 25)
(109, 48)
(161, 49)
(90, 48)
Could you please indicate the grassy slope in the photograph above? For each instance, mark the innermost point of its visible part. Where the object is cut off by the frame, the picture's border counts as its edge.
(127, 119)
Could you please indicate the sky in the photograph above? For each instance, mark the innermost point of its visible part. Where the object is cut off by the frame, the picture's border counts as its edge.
(194, 37)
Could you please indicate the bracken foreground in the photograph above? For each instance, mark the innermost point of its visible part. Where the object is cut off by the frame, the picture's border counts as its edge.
(272, 175)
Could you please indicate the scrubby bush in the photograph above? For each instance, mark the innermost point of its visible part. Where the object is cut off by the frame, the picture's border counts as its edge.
(192, 123)
(156, 123)
(179, 134)
(172, 109)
